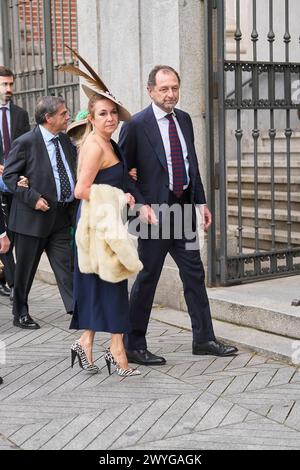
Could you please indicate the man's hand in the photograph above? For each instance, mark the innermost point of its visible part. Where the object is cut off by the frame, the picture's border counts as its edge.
(42, 205)
(1, 169)
(23, 182)
(147, 215)
(133, 173)
(206, 216)
(4, 244)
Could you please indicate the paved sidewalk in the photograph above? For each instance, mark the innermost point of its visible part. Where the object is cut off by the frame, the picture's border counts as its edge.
(193, 402)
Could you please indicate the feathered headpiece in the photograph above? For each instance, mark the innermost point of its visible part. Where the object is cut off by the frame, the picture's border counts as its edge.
(78, 126)
(97, 87)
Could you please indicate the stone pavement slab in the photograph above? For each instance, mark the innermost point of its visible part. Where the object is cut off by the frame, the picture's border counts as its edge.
(249, 401)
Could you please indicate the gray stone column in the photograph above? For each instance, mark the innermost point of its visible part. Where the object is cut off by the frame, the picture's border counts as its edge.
(1, 39)
(109, 39)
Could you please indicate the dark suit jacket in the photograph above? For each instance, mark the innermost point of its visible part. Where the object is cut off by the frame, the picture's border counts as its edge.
(142, 145)
(2, 224)
(29, 156)
(19, 124)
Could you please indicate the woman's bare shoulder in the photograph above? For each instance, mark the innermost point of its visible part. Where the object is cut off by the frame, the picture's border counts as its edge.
(92, 148)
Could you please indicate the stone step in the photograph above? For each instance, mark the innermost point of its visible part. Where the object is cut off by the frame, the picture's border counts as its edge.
(263, 195)
(265, 235)
(257, 315)
(264, 152)
(264, 214)
(264, 160)
(280, 138)
(280, 227)
(264, 199)
(263, 169)
(264, 182)
(266, 179)
(272, 345)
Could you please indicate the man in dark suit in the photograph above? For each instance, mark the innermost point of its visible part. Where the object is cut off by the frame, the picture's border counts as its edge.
(14, 122)
(41, 215)
(159, 143)
(4, 243)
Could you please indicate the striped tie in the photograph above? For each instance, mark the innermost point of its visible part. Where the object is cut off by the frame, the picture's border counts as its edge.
(178, 167)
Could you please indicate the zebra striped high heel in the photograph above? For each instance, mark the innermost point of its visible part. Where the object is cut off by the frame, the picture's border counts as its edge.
(78, 351)
(110, 360)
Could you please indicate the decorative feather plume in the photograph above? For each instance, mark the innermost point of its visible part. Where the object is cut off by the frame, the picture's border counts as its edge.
(76, 71)
(95, 79)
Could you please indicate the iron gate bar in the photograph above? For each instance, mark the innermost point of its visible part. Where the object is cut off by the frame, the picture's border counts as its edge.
(222, 155)
(48, 65)
(5, 37)
(28, 25)
(288, 130)
(279, 260)
(210, 147)
(261, 66)
(272, 130)
(237, 264)
(255, 130)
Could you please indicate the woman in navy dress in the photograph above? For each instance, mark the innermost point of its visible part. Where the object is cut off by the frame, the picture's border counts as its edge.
(100, 305)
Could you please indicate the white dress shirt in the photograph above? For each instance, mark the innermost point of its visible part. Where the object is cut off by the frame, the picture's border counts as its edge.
(163, 124)
(47, 136)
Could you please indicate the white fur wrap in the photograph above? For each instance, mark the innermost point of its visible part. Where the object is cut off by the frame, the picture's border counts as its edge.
(103, 242)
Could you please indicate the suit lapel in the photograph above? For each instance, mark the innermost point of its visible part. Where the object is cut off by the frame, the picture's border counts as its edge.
(13, 120)
(1, 150)
(42, 154)
(153, 133)
(184, 126)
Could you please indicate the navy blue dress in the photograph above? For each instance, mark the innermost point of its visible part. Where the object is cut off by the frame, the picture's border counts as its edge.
(100, 305)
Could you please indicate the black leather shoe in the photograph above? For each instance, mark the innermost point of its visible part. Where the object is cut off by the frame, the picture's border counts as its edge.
(4, 290)
(26, 322)
(1, 380)
(144, 357)
(214, 348)
(11, 297)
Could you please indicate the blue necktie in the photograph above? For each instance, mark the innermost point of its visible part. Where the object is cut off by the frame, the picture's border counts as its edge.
(65, 187)
(178, 167)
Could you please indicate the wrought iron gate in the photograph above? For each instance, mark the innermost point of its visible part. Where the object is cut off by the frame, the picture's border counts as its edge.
(34, 34)
(253, 71)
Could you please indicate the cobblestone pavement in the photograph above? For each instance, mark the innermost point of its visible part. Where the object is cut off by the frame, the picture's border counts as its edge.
(193, 402)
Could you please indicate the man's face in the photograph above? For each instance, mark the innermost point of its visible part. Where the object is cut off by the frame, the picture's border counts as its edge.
(58, 122)
(165, 93)
(6, 89)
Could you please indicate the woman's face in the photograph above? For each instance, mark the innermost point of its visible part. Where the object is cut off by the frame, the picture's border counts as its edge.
(105, 116)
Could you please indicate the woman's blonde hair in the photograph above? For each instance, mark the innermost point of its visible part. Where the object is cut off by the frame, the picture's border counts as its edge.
(83, 135)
